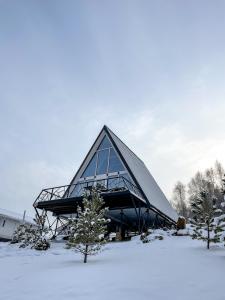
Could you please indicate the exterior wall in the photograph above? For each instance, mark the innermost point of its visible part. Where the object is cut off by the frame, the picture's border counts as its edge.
(7, 227)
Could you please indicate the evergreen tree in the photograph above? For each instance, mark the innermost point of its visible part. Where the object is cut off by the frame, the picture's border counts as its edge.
(211, 181)
(24, 235)
(41, 242)
(208, 227)
(33, 236)
(88, 230)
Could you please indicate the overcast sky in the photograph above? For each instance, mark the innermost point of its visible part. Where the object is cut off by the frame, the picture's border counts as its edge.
(153, 71)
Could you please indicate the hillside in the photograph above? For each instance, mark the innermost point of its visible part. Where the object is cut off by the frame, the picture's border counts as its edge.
(175, 268)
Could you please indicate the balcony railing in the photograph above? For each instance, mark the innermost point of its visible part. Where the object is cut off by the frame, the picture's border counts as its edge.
(109, 185)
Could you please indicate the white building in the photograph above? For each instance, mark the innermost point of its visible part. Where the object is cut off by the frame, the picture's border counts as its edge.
(9, 222)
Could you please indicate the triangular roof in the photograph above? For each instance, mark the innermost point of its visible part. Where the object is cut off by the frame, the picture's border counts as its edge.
(137, 170)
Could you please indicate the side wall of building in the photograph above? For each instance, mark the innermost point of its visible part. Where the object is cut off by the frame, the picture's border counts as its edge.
(7, 227)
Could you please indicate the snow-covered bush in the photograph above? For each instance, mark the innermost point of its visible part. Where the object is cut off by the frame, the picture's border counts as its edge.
(181, 232)
(41, 244)
(24, 235)
(144, 237)
(32, 236)
(153, 235)
(19, 234)
(112, 236)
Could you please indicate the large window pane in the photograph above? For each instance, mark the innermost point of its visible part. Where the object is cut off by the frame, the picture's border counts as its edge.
(127, 178)
(78, 190)
(112, 182)
(90, 170)
(105, 143)
(102, 161)
(115, 164)
(116, 182)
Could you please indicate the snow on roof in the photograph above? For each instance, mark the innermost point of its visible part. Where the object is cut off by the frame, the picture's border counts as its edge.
(144, 178)
(15, 216)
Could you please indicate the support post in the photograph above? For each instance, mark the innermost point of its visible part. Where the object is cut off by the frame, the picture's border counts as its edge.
(136, 211)
(56, 227)
(139, 217)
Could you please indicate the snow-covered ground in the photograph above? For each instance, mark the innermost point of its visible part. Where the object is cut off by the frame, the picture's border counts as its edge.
(174, 268)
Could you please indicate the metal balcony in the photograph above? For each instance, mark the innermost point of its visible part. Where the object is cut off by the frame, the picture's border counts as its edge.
(109, 185)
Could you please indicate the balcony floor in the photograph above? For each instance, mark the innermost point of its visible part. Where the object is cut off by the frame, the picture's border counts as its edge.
(113, 200)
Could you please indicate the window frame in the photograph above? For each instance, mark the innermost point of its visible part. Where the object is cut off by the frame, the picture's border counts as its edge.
(97, 154)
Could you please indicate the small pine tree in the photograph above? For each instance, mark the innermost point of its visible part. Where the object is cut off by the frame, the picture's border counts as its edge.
(40, 241)
(219, 223)
(33, 236)
(88, 230)
(24, 235)
(207, 227)
(21, 234)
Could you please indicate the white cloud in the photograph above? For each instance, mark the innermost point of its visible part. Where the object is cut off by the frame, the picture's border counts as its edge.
(23, 183)
(169, 151)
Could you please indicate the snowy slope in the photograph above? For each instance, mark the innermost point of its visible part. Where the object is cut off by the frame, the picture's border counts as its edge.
(176, 268)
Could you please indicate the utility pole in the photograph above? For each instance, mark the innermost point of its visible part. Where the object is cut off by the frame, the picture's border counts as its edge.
(24, 214)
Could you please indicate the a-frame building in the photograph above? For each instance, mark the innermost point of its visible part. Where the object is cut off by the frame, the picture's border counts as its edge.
(135, 200)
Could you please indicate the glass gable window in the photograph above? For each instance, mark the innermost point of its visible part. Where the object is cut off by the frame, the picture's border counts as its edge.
(90, 170)
(105, 144)
(115, 164)
(104, 161)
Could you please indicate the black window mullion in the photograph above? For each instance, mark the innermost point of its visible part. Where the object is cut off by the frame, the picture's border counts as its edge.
(96, 165)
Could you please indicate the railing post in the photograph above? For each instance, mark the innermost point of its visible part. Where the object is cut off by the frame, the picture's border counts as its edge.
(51, 195)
